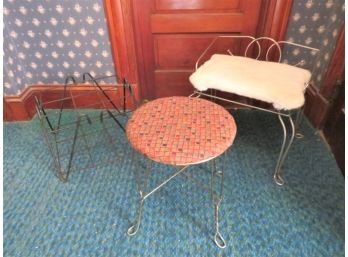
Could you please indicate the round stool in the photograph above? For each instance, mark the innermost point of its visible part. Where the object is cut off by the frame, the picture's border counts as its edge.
(181, 131)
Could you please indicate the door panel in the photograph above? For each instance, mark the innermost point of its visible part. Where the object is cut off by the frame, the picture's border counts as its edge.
(201, 22)
(172, 34)
(162, 5)
(181, 51)
(172, 82)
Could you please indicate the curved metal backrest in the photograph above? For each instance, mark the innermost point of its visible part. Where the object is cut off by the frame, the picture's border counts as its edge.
(256, 41)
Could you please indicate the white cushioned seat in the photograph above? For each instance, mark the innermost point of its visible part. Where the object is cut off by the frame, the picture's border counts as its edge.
(281, 84)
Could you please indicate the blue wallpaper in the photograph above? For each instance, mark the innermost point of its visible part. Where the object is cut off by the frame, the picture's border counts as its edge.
(314, 23)
(46, 40)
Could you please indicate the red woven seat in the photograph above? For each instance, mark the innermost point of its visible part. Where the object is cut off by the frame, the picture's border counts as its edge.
(181, 130)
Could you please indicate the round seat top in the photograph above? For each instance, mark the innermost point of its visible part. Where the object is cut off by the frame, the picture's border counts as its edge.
(181, 130)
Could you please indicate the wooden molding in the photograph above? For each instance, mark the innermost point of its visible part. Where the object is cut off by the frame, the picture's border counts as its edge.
(318, 102)
(274, 20)
(336, 68)
(142, 25)
(14, 109)
(22, 107)
(121, 33)
(316, 107)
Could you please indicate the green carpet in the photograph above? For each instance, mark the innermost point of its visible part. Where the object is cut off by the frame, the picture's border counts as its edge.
(90, 214)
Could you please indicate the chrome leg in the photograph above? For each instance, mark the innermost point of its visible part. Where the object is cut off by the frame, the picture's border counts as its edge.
(141, 185)
(133, 229)
(218, 239)
(284, 149)
(298, 121)
(217, 198)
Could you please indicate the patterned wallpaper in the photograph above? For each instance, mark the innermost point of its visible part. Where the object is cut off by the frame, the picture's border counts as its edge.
(314, 23)
(46, 40)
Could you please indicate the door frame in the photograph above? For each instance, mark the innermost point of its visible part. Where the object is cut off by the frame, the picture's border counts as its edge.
(127, 51)
(318, 101)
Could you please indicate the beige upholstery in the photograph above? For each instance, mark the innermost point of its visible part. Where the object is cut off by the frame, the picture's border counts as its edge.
(281, 84)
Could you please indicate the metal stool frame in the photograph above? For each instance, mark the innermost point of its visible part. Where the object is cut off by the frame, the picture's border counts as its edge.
(282, 115)
(54, 131)
(216, 197)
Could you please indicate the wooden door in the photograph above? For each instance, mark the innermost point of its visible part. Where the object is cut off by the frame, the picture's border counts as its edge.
(171, 35)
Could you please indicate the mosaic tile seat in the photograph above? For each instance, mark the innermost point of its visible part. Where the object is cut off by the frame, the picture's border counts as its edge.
(181, 130)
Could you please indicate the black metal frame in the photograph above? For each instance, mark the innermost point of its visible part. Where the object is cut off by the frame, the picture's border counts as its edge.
(55, 133)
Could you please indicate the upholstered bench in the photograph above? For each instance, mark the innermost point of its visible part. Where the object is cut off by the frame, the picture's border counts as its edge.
(282, 85)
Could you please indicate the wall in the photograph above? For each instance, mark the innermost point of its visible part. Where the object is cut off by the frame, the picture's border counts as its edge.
(46, 40)
(314, 23)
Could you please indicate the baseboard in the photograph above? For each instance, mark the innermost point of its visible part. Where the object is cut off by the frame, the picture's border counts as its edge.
(22, 107)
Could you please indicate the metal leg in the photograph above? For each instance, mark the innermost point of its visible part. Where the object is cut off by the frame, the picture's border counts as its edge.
(284, 149)
(217, 198)
(72, 150)
(141, 186)
(59, 171)
(84, 138)
(298, 121)
(133, 229)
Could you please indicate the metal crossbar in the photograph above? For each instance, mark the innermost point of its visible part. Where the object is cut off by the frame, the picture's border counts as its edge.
(180, 170)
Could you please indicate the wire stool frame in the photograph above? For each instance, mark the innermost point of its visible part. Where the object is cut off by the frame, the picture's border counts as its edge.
(216, 194)
(70, 126)
(177, 132)
(282, 115)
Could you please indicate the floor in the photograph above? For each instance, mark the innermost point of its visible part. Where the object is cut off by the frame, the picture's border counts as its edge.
(89, 215)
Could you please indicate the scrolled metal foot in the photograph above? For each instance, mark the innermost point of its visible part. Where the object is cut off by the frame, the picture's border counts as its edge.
(133, 229)
(217, 199)
(278, 179)
(219, 240)
(299, 135)
(219, 173)
(63, 177)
